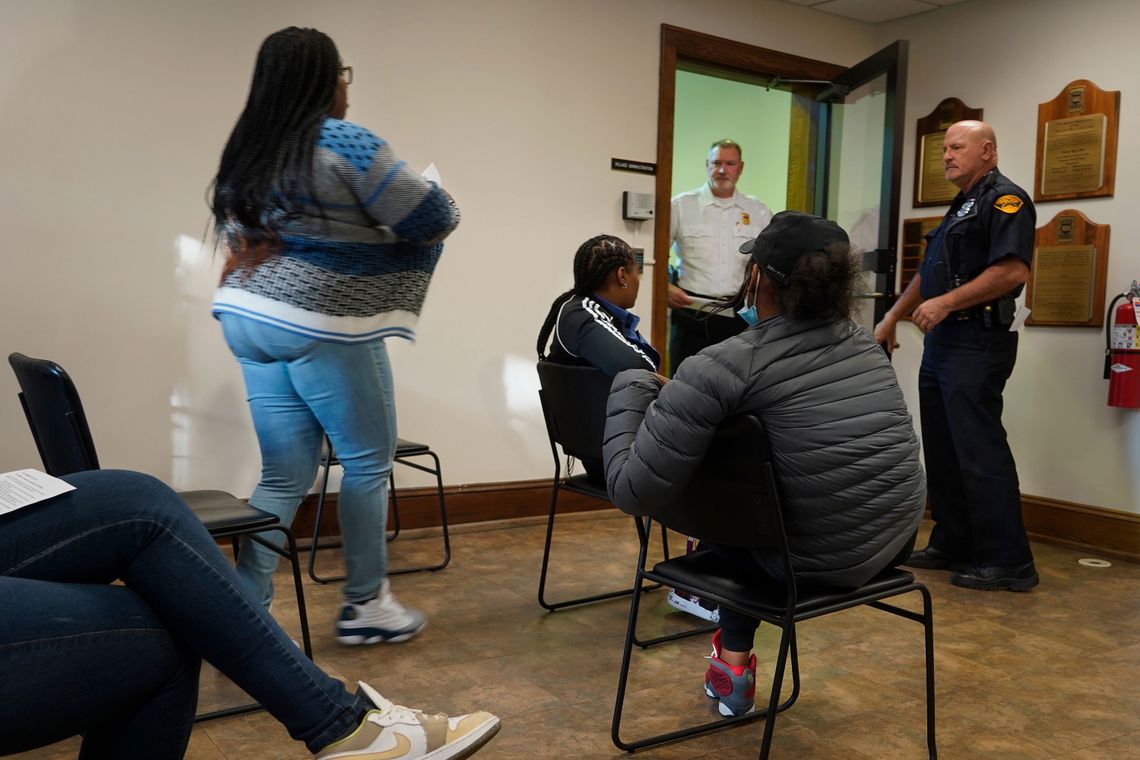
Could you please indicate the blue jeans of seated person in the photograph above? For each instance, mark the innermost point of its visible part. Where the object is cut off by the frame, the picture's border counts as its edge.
(299, 389)
(119, 663)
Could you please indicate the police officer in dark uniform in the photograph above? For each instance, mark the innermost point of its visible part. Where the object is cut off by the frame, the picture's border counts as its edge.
(977, 261)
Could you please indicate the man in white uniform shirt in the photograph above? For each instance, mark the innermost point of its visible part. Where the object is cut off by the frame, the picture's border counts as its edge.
(708, 225)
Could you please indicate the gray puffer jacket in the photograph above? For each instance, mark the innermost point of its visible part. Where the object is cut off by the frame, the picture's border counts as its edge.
(842, 441)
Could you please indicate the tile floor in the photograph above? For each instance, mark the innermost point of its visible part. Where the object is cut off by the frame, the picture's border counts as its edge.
(1054, 673)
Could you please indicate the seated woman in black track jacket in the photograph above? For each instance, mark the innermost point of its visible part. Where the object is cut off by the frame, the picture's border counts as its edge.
(592, 324)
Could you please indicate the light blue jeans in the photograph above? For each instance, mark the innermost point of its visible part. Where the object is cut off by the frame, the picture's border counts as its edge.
(300, 388)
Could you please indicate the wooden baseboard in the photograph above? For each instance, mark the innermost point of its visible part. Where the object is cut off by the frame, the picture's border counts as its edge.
(1079, 526)
(465, 504)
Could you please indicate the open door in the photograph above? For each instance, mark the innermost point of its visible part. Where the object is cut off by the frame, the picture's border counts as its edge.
(860, 137)
(844, 152)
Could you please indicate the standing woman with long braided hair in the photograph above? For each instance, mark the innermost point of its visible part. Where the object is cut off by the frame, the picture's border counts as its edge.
(330, 244)
(591, 322)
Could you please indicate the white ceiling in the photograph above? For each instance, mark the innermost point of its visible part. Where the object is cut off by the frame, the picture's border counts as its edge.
(875, 11)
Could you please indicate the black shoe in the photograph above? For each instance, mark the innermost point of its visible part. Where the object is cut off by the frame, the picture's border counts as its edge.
(1015, 578)
(934, 559)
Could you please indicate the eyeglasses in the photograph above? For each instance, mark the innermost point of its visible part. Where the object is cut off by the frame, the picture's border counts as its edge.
(346, 72)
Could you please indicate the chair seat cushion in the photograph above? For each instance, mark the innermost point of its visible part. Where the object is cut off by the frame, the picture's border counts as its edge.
(583, 485)
(710, 576)
(406, 448)
(222, 512)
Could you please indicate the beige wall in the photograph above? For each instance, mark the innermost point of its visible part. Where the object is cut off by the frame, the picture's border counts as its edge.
(114, 115)
(1006, 58)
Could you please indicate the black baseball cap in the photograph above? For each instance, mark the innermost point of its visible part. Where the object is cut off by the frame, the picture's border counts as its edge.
(790, 235)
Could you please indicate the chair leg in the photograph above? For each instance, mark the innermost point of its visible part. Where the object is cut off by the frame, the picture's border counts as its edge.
(326, 463)
(928, 636)
(554, 606)
(228, 711)
(546, 548)
(787, 642)
(302, 614)
(299, 590)
(623, 673)
(437, 471)
(646, 643)
(652, 741)
(292, 555)
(927, 620)
(394, 512)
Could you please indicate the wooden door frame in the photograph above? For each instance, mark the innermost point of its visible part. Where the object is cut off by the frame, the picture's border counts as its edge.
(692, 47)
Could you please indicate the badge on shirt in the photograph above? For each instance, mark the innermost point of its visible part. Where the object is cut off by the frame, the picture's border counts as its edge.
(965, 208)
(1008, 204)
(745, 219)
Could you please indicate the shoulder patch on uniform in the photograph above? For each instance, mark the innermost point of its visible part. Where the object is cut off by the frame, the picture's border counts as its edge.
(1008, 204)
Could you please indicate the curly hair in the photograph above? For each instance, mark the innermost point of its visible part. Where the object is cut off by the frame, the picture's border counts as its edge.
(593, 262)
(823, 285)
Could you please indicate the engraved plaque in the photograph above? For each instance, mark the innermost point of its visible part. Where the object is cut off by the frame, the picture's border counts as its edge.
(1063, 283)
(1073, 158)
(933, 187)
(1070, 267)
(1076, 143)
(930, 185)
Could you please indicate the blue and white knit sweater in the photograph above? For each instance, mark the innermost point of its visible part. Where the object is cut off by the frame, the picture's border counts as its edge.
(359, 272)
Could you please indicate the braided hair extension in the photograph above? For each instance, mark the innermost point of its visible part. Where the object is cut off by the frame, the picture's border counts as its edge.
(268, 159)
(593, 262)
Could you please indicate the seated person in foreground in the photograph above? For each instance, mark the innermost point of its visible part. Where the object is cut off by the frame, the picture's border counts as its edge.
(119, 664)
(843, 445)
(592, 324)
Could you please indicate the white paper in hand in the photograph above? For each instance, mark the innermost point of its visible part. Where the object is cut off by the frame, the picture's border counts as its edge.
(22, 488)
(431, 173)
(1019, 319)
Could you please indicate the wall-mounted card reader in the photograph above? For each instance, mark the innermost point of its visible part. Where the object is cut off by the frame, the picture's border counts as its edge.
(636, 207)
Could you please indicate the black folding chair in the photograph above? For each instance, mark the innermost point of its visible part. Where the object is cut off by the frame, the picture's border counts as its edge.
(405, 452)
(574, 407)
(59, 426)
(733, 500)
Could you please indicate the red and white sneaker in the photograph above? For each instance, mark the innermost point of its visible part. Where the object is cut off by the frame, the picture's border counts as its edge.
(734, 686)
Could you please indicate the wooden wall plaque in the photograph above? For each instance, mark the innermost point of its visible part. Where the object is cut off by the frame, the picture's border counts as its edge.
(1070, 268)
(1076, 143)
(930, 185)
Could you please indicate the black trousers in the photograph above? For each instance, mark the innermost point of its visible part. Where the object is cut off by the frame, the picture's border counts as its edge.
(971, 477)
(690, 331)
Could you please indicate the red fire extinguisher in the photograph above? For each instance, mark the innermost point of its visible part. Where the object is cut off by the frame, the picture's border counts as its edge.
(1122, 350)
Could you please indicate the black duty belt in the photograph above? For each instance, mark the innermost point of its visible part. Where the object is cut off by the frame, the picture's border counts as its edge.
(991, 314)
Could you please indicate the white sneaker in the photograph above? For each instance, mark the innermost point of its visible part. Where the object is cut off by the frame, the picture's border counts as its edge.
(379, 619)
(694, 606)
(394, 732)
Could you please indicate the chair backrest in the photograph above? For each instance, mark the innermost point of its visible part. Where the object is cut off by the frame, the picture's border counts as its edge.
(574, 405)
(55, 415)
(732, 498)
